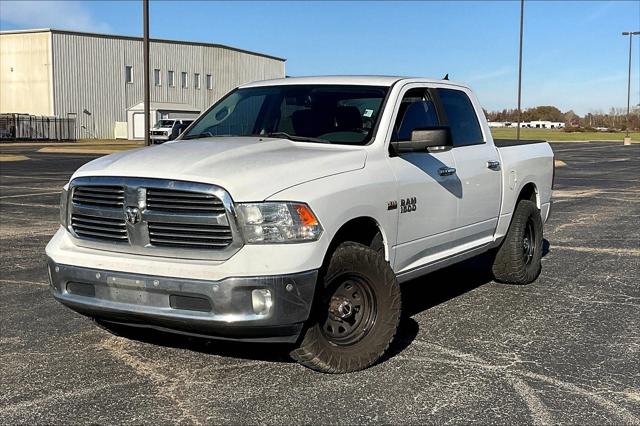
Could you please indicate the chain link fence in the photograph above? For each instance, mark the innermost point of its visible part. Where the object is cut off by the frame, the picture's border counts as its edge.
(23, 127)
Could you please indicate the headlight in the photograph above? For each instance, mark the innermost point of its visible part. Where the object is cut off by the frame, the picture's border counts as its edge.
(264, 223)
(64, 201)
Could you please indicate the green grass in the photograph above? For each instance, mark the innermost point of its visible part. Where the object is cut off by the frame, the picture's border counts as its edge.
(561, 135)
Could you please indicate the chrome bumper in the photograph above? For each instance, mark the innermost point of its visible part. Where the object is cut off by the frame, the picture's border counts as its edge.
(221, 309)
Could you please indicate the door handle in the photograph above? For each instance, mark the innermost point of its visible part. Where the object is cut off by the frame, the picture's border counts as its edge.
(446, 171)
(493, 165)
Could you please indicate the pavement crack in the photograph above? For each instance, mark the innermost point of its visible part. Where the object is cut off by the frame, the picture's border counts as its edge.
(462, 359)
(167, 387)
(540, 415)
(56, 397)
(41, 284)
(615, 251)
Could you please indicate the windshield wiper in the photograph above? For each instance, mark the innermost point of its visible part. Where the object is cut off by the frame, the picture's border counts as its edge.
(198, 136)
(295, 137)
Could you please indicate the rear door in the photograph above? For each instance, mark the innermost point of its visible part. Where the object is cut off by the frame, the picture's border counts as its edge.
(427, 197)
(138, 125)
(477, 167)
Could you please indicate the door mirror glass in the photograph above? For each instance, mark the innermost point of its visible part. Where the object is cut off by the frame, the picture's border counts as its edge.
(423, 140)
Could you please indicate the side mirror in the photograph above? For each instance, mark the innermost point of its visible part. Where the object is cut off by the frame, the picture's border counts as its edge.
(423, 140)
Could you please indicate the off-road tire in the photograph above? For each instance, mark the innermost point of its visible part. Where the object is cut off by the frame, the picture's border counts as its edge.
(512, 264)
(321, 351)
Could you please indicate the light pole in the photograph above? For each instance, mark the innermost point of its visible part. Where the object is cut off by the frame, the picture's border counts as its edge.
(520, 68)
(627, 139)
(145, 80)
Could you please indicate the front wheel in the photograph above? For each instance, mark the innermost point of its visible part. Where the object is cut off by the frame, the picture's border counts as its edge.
(356, 315)
(518, 259)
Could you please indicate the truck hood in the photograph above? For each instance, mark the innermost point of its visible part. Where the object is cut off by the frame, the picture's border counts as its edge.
(249, 168)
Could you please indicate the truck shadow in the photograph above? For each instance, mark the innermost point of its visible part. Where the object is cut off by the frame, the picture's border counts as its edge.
(426, 292)
(418, 295)
(272, 352)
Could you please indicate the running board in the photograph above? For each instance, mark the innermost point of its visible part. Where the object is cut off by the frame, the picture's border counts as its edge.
(443, 263)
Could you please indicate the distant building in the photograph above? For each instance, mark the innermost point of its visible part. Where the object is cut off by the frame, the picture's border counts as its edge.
(544, 124)
(98, 79)
(500, 124)
(529, 124)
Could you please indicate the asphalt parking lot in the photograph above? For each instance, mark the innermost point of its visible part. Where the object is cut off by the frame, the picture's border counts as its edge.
(564, 349)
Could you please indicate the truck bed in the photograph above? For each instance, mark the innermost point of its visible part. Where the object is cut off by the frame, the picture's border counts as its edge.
(503, 143)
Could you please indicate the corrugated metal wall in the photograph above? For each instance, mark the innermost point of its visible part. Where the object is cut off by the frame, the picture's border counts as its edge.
(89, 74)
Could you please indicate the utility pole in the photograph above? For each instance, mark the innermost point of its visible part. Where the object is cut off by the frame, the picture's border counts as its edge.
(520, 70)
(145, 54)
(627, 139)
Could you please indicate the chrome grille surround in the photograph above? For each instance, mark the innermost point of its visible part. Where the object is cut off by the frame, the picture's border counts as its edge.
(209, 232)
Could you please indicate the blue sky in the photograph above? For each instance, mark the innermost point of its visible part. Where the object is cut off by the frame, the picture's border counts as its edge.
(575, 57)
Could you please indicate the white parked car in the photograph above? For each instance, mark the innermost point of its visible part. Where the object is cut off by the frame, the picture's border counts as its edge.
(168, 129)
(291, 210)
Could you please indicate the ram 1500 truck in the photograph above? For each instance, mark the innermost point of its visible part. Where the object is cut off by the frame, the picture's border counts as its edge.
(292, 209)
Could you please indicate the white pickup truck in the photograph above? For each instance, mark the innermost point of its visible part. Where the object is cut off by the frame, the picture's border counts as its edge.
(291, 210)
(168, 129)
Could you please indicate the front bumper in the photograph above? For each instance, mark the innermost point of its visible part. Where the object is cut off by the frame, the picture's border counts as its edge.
(221, 309)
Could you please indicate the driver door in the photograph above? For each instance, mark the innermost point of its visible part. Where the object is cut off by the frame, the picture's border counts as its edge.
(428, 189)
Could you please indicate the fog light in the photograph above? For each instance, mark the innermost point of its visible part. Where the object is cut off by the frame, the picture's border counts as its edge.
(261, 301)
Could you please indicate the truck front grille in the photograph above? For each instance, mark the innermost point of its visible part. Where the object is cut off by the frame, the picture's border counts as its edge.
(99, 228)
(100, 196)
(198, 236)
(171, 200)
(154, 217)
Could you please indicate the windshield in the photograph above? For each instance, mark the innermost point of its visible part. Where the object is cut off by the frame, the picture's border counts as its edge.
(164, 123)
(338, 114)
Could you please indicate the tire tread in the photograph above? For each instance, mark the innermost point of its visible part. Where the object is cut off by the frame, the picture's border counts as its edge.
(508, 265)
(312, 353)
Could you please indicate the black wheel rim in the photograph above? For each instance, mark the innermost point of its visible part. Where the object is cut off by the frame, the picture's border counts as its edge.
(350, 310)
(528, 243)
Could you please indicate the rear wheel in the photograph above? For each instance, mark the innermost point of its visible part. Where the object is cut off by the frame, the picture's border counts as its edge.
(518, 260)
(356, 315)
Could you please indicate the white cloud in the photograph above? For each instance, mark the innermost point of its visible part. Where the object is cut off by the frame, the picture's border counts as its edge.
(599, 12)
(59, 14)
(490, 75)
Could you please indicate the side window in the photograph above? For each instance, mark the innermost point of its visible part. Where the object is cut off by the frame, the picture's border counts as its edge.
(462, 118)
(416, 111)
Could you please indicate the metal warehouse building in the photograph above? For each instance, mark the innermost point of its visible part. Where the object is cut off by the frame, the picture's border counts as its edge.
(98, 79)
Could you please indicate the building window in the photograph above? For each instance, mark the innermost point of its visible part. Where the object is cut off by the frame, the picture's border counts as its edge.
(196, 81)
(171, 79)
(157, 81)
(185, 77)
(209, 82)
(128, 74)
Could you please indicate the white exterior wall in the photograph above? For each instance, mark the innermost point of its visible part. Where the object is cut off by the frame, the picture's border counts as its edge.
(25, 74)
